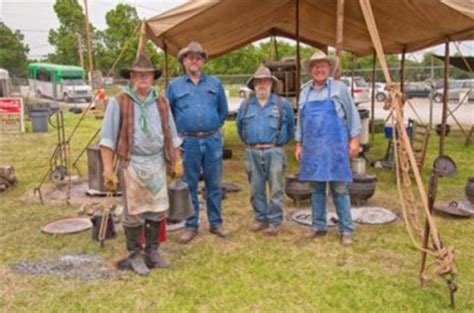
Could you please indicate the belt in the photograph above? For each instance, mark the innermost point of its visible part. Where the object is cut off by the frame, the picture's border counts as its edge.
(263, 146)
(199, 134)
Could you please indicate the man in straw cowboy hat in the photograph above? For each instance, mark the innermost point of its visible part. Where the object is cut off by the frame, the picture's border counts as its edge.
(199, 106)
(265, 123)
(327, 137)
(139, 130)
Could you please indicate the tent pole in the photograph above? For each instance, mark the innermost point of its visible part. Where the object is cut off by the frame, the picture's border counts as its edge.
(165, 49)
(141, 39)
(339, 35)
(445, 98)
(372, 106)
(352, 76)
(402, 70)
(298, 61)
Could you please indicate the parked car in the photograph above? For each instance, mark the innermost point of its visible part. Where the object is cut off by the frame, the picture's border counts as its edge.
(361, 88)
(245, 92)
(456, 89)
(417, 90)
(380, 93)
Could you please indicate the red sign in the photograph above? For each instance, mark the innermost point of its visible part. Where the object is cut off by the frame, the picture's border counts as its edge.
(10, 105)
(11, 115)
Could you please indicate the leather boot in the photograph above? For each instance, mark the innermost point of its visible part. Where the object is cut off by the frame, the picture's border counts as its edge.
(152, 258)
(135, 258)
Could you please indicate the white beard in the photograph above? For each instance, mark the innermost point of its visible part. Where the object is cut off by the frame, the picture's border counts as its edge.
(262, 94)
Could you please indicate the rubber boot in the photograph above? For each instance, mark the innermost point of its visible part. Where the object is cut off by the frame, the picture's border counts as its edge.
(152, 258)
(132, 235)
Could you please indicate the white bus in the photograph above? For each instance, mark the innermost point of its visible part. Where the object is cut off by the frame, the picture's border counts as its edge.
(60, 82)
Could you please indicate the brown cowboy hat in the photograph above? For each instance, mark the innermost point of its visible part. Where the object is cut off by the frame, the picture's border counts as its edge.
(261, 73)
(193, 47)
(141, 64)
(320, 56)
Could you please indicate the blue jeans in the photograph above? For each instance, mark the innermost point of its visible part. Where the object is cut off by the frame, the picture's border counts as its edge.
(266, 166)
(341, 199)
(205, 153)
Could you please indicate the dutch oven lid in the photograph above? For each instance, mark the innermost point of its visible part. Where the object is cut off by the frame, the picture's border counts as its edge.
(68, 225)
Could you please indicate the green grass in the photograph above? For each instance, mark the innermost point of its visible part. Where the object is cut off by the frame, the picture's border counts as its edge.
(248, 273)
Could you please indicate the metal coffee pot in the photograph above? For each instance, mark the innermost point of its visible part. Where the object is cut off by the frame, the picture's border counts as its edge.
(181, 206)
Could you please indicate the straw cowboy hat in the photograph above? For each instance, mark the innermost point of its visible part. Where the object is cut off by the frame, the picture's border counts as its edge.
(320, 56)
(141, 64)
(262, 72)
(193, 47)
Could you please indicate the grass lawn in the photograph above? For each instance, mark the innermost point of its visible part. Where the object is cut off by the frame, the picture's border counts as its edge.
(248, 273)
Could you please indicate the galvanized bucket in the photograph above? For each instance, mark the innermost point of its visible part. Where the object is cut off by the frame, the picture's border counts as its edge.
(181, 206)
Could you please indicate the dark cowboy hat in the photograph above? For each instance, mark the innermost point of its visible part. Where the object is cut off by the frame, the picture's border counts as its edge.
(193, 47)
(141, 64)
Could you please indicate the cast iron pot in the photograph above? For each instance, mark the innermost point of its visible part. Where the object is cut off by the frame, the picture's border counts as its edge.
(296, 189)
(470, 189)
(362, 188)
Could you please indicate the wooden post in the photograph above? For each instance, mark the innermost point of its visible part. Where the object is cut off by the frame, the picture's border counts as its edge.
(445, 98)
(339, 35)
(372, 107)
(298, 60)
(89, 42)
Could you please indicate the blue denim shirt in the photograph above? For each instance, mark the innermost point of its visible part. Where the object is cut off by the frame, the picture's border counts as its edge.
(260, 124)
(342, 98)
(197, 108)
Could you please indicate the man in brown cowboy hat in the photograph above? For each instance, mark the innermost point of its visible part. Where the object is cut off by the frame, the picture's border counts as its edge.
(138, 130)
(327, 135)
(265, 123)
(199, 106)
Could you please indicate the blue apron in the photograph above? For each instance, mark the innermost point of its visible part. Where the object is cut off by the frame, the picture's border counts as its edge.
(325, 155)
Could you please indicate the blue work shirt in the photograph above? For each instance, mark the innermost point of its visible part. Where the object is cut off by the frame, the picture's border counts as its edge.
(342, 99)
(197, 108)
(260, 124)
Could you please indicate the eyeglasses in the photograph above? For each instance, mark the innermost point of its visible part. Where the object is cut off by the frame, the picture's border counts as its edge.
(194, 57)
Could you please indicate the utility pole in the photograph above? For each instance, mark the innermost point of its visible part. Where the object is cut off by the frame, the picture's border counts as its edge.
(89, 43)
(81, 49)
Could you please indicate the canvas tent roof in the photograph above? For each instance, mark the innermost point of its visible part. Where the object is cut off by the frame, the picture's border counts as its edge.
(224, 25)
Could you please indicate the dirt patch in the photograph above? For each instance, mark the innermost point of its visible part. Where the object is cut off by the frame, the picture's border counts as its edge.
(80, 266)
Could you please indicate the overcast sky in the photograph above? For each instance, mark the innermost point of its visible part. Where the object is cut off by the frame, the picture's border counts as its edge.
(34, 18)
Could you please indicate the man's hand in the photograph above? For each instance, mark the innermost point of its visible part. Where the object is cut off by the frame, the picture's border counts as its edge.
(110, 181)
(178, 165)
(298, 151)
(354, 145)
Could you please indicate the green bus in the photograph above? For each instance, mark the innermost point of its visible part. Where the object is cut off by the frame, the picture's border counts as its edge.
(59, 82)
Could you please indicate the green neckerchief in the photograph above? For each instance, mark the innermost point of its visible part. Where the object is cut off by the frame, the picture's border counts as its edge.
(142, 104)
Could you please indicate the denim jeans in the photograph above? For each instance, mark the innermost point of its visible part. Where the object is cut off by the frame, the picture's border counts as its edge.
(341, 199)
(205, 153)
(266, 166)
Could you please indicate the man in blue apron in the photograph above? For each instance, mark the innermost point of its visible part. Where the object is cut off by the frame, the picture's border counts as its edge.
(139, 129)
(265, 123)
(327, 137)
(199, 105)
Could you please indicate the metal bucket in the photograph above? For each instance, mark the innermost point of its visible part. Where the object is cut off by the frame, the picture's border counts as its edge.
(181, 206)
(358, 166)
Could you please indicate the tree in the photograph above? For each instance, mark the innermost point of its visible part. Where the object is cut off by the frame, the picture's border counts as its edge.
(70, 35)
(13, 52)
(122, 23)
